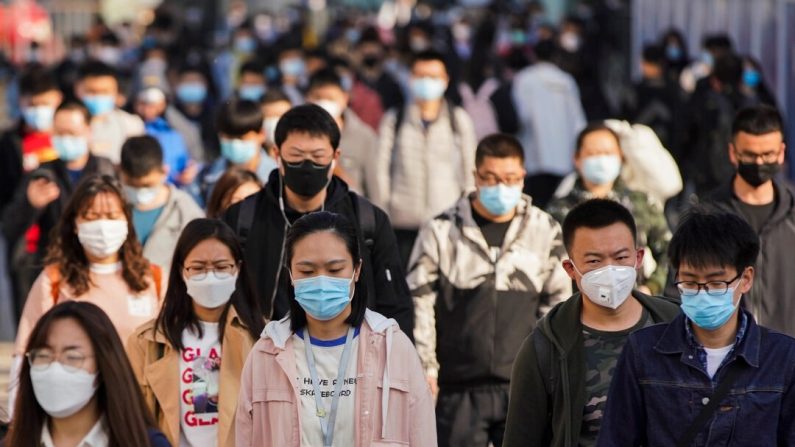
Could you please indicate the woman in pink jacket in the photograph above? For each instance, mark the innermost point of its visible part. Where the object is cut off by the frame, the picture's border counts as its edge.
(332, 373)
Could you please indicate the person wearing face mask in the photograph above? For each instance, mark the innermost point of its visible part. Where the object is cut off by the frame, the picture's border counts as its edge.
(194, 99)
(344, 375)
(160, 211)
(293, 74)
(563, 369)
(275, 103)
(713, 375)
(240, 128)
(370, 53)
(467, 346)
(754, 83)
(754, 192)
(76, 386)
(98, 88)
(598, 161)
(425, 155)
(189, 359)
(307, 138)
(357, 140)
(251, 84)
(40, 200)
(94, 257)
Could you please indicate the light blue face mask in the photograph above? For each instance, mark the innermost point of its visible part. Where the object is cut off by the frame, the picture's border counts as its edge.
(38, 118)
(323, 297)
(69, 147)
(751, 78)
(601, 169)
(191, 92)
(292, 67)
(428, 89)
(251, 92)
(245, 45)
(709, 311)
(99, 104)
(499, 199)
(238, 151)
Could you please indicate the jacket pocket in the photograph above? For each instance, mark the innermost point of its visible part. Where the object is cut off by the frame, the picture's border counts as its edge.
(398, 414)
(272, 413)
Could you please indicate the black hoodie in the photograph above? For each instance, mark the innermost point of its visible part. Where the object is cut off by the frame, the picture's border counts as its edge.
(382, 274)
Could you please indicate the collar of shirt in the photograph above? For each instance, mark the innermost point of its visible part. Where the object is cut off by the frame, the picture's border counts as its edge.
(702, 354)
(96, 437)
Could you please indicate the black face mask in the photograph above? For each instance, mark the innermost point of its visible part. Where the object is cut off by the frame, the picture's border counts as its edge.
(306, 178)
(370, 61)
(756, 174)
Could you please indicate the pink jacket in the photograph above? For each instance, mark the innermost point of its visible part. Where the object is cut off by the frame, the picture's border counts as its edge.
(400, 413)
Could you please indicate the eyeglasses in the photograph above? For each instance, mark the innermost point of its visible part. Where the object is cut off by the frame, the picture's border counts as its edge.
(767, 157)
(220, 271)
(493, 180)
(71, 359)
(713, 288)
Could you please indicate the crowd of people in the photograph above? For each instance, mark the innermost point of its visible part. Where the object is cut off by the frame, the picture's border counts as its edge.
(442, 233)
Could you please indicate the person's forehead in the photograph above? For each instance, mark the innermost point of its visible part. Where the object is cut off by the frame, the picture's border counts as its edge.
(429, 66)
(502, 164)
(706, 271)
(69, 118)
(606, 240)
(766, 141)
(307, 142)
(319, 248)
(603, 139)
(326, 90)
(67, 332)
(104, 201)
(209, 249)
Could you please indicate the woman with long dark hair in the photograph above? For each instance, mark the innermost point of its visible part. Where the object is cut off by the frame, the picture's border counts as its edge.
(77, 386)
(332, 372)
(188, 361)
(235, 185)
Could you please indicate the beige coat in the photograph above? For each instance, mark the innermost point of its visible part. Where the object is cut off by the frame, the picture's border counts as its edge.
(156, 366)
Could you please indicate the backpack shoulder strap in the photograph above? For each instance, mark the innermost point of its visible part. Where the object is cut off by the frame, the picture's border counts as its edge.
(245, 219)
(366, 215)
(545, 360)
(157, 277)
(54, 275)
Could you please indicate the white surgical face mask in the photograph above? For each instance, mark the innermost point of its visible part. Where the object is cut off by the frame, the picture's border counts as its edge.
(269, 126)
(141, 196)
(331, 107)
(211, 292)
(102, 238)
(62, 393)
(608, 286)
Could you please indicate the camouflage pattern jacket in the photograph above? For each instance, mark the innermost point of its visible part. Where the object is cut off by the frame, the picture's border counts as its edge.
(653, 231)
(474, 305)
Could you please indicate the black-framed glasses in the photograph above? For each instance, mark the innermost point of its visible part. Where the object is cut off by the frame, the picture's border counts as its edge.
(220, 271)
(767, 157)
(41, 359)
(713, 288)
(493, 180)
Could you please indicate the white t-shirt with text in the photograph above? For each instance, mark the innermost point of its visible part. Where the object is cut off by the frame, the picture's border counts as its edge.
(200, 371)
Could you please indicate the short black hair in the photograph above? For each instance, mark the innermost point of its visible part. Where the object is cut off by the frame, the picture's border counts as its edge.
(720, 43)
(428, 56)
(141, 155)
(728, 69)
(595, 126)
(36, 79)
(275, 95)
(595, 214)
(545, 50)
(238, 117)
(710, 237)
(75, 105)
(653, 54)
(324, 78)
(757, 120)
(253, 66)
(343, 228)
(95, 69)
(499, 145)
(311, 119)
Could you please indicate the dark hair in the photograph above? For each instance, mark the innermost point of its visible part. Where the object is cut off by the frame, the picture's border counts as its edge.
(545, 50)
(709, 237)
(253, 66)
(36, 80)
(95, 69)
(596, 214)
(232, 179)
(238, 117)
(311, 119)
(757, 120)
(177, 312)
(77, 106)
(653, 54)
(728, 69)
(342, 228)
(499, 145)
(141, 155)
(66, 252)
(717, 43)
(118, 396)
(428, 56)
(275, 95)
(324, 78)
(595, 126)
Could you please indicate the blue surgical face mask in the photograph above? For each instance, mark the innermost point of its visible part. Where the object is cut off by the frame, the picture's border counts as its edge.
(69, 147)
(38, 118)
(499, 200)
(245, 45)
(99, 104)
(601, 169)
(709, 311)
(251, 92)
(752, 78)
(238, 151)
(673, 52)
(323, 297)
(428, 88)
(192, 92)
(293, 66)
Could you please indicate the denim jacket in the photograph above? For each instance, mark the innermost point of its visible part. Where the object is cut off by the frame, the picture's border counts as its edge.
(660, 385)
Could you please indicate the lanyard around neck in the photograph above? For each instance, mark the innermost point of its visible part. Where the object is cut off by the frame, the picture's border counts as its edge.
(327, 418)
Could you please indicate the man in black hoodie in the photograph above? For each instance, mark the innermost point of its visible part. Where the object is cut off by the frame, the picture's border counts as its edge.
(307, 140)
(563, 370)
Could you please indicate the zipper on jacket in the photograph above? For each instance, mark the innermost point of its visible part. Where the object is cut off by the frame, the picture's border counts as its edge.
(564, 368)
(278, 272)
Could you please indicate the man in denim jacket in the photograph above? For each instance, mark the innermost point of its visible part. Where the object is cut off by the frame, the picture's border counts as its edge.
(668, 373)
